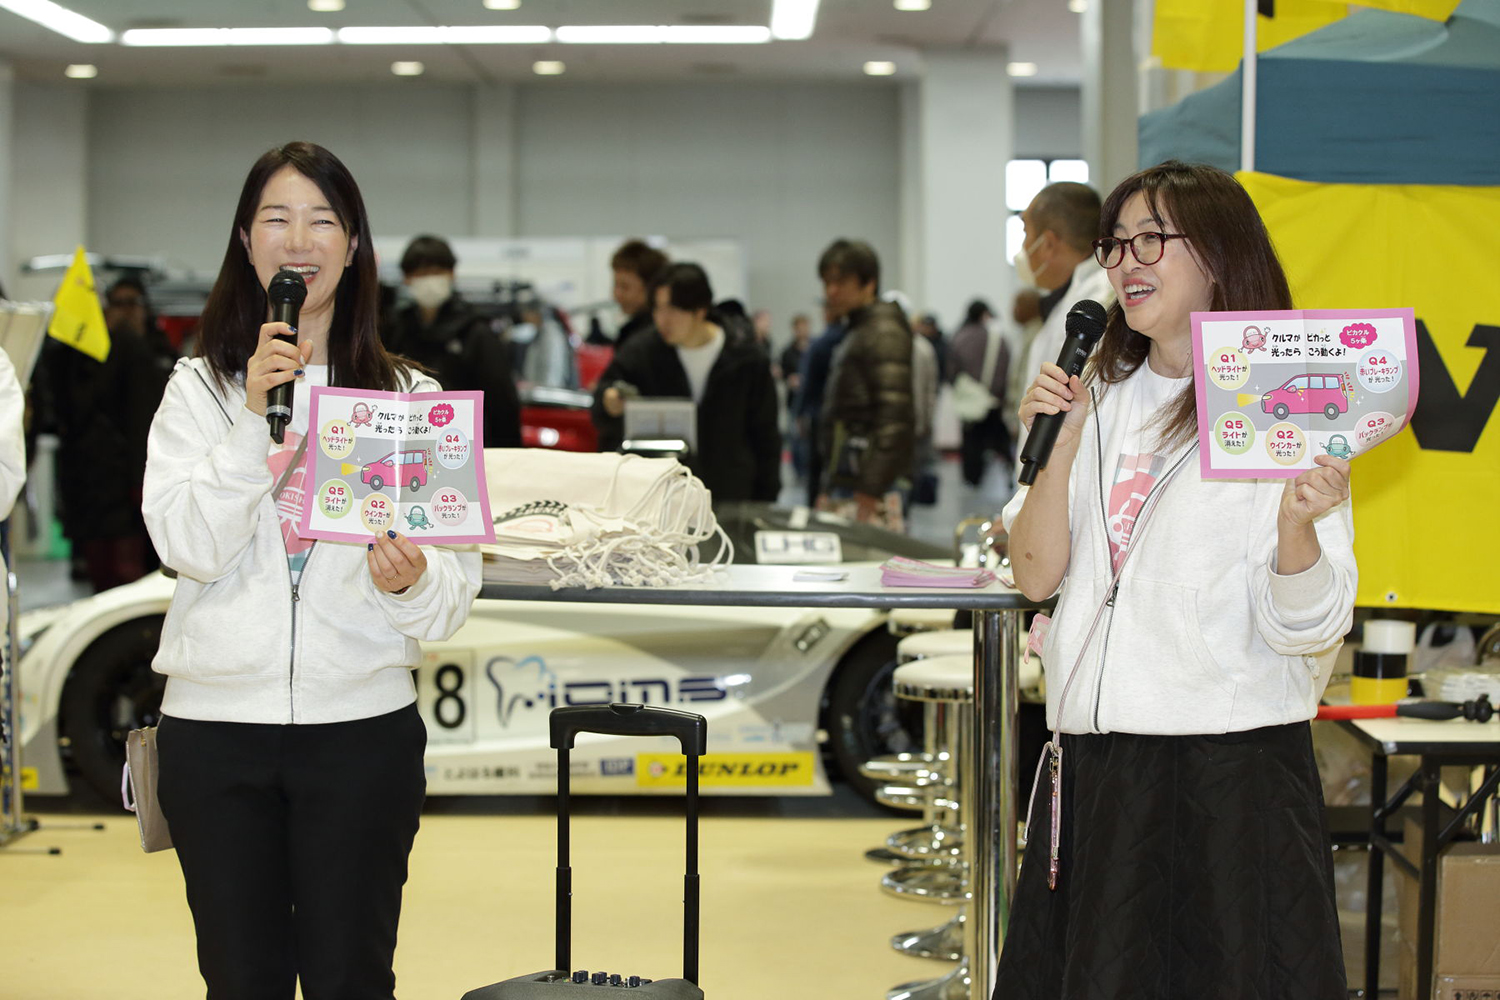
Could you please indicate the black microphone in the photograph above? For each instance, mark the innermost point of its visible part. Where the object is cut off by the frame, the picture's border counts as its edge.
(1085, 325)
(287, 293)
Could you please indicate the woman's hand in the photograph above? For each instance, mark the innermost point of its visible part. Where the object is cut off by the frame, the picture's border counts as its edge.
(395, 561)
(1054, 391)
(1315, 491)
(274, 362)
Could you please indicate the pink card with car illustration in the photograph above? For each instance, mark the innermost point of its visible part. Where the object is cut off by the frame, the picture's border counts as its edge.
(396, 461)
(1278, 388)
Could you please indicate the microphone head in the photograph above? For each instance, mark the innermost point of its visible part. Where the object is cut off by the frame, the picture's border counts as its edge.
(288, 286)
(1086, 319)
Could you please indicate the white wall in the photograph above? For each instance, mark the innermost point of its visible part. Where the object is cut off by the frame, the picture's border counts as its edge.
(783, 169)
(49, 169)
(166, 165)
(1049, 123)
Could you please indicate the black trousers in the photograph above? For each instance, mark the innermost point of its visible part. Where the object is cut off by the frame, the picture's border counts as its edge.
(979, 437)
(293, 841)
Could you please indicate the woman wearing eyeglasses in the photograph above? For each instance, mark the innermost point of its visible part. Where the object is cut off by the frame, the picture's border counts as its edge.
(1177, 846)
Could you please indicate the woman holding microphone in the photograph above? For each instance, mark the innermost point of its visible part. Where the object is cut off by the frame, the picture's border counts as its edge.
(290, 744)
(1177, 843)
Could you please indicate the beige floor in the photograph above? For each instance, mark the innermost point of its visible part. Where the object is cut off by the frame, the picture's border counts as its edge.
(790, 908)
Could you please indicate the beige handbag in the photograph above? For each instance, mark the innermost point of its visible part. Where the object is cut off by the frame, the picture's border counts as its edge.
(138, 789)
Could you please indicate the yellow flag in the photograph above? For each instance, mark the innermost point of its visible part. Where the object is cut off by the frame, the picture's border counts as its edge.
(78, 321)
(1209, 35)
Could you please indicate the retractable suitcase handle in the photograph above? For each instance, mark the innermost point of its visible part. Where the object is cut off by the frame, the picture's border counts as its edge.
(629, 720)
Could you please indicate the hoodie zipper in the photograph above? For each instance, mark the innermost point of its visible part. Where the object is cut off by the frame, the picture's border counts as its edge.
(1104, 520)
(1115, 592)
(291, 675)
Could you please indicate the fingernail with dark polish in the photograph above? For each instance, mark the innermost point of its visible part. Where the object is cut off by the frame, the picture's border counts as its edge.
(391, 533)
(370, 547)
(297, 372)
(291, 328)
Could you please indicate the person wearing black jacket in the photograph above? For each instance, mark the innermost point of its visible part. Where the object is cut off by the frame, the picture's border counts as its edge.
(446, 335)
(689, 355)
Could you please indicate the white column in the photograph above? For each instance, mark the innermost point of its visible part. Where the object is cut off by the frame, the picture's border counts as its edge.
(1110, 106)
(7, 173)
(494, 198)
(910, 277)
(966, 125)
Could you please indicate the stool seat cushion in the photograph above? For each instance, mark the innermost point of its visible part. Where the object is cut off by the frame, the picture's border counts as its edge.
(917, 619)
(937, 678)
(940, 643)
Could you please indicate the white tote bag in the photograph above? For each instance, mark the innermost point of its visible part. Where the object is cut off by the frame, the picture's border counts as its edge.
(972, 398)
(568, 520)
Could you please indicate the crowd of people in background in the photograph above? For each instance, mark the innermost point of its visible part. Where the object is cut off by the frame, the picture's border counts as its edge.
(853, 404)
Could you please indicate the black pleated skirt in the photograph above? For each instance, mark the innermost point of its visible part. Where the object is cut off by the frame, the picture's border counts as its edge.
(1193, 868)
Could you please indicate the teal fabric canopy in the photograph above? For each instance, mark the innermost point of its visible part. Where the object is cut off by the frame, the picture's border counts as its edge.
(1374, 98)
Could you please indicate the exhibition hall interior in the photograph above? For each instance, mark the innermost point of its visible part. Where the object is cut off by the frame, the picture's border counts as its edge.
(907, 499)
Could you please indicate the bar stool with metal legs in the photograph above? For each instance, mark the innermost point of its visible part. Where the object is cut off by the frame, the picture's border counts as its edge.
(946, 680)
(922, 779)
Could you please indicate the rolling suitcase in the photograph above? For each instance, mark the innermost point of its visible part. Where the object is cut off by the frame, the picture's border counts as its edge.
(560, 983)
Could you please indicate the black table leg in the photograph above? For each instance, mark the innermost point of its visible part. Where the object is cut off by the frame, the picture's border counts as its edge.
(1427, 886)
(1377, 876)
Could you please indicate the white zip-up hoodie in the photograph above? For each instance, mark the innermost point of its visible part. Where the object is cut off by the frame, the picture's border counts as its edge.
(1203, 635)
(238, 644)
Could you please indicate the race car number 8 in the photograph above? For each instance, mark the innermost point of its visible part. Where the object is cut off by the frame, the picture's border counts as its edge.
(448, 709)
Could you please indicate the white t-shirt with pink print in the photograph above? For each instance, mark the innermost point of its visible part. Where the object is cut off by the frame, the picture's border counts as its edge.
(1142, 459)
(289, 502)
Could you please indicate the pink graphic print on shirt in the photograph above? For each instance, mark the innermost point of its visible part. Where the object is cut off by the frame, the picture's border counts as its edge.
(289, 503)
(1134, 477)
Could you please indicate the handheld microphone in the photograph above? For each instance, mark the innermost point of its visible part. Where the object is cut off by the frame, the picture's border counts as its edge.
(1085, 325)
(287, 293)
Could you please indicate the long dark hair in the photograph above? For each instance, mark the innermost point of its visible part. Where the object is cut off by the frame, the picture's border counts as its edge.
(1229, 241)
(237, 305)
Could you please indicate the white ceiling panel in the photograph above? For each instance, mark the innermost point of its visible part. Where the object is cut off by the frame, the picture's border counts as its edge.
(848, 33)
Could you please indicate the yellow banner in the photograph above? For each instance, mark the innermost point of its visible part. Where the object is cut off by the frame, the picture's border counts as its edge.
(1424, 502)
(1209, 35)
(78, 320)
(726, 770)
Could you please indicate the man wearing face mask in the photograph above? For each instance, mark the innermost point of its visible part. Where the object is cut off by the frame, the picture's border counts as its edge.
(437, 329)
(1057, 258)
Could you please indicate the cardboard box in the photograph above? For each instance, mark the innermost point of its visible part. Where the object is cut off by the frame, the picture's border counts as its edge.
(1468, 988)
(1466, 956)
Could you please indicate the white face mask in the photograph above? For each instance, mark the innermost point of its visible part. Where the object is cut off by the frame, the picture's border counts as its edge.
(1024, 273)
(430, 290)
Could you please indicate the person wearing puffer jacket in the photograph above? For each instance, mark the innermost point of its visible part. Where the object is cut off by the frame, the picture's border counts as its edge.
(290, 747)
(868, 429)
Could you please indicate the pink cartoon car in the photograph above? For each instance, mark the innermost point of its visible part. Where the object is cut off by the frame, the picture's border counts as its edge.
(1255, 339)
(1308, 394)
(409, 467)
(361, 415)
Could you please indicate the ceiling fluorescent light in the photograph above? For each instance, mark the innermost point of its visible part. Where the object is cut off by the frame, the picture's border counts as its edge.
(81, 71)
(728, 34)
(60, 19)
(1021, 68)
(502, 4)
(183, 37)
(913, 4)
(476, 34)
(880, 68)
(548, 67)
(611, 34)
(793, 20)
(407, 68)
(325, 6)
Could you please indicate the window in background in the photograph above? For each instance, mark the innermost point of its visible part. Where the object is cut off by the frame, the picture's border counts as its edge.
(1023, 179)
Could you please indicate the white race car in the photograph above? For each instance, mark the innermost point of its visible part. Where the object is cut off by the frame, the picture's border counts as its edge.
(786, 691)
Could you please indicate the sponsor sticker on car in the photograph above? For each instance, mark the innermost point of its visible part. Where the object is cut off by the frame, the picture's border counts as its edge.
(726, 770)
